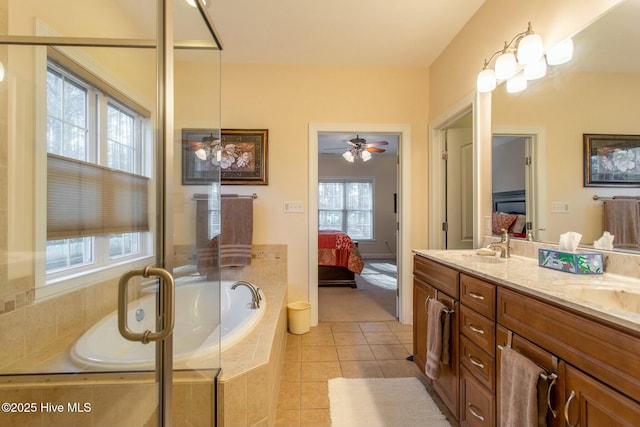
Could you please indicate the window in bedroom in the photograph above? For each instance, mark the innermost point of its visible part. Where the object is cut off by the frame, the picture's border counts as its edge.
(97, 189)
(347, 205)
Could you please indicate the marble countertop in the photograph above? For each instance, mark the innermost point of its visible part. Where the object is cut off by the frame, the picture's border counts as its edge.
(609, 297)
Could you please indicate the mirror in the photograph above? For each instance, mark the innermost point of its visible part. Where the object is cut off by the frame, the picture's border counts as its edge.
(596, 92)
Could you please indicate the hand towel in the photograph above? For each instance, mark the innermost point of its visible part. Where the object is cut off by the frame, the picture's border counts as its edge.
(438, 319)
(622, 219)
(518, 390)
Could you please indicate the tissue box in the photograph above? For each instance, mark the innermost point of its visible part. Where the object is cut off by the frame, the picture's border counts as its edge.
(571, 262)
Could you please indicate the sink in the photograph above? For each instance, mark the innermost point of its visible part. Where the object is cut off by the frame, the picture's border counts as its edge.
(606, 294)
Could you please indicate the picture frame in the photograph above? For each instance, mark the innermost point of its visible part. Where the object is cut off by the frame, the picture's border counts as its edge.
(611, 160)
(240, 156)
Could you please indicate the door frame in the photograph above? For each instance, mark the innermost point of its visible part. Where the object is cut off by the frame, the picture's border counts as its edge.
(479, 104)
(405, 314)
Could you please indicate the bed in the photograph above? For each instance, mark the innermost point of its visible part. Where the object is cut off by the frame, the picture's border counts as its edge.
(339, 259)
(509, 212)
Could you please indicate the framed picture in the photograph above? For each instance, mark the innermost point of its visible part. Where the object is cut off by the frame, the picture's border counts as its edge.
(611, 160)
(199, 165)
(239, 155)
(244, 156)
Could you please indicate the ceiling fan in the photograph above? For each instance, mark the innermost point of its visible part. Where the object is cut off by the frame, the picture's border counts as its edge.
(360, 149)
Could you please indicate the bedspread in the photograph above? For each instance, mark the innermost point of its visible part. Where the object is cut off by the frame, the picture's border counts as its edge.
(336, 248)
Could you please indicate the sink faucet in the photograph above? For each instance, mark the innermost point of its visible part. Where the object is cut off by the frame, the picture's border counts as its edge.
(530, 231)
(503, 245)
(255, 292)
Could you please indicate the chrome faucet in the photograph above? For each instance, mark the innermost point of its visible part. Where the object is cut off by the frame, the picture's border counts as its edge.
(255, 292)
(530, 231)
(503, 245)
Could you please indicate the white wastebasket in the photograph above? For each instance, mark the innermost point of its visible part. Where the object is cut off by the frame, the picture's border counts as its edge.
(299, 317)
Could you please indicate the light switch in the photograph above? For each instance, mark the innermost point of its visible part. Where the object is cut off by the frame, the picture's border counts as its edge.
(293, 206)
(559, 207)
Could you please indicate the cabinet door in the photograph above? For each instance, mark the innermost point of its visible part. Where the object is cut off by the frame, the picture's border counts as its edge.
(591, 403)
(421, 291)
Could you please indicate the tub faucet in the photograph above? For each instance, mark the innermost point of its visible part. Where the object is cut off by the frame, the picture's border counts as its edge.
(503, 245)
(255, 292)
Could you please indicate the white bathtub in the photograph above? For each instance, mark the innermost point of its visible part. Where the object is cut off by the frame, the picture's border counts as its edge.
(195, 336)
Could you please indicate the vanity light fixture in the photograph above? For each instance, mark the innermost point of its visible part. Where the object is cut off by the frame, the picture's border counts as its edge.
(192, 3)
(1, 71)
(521, 59)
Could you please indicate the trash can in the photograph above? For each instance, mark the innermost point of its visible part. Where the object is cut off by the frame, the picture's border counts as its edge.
(299, 317)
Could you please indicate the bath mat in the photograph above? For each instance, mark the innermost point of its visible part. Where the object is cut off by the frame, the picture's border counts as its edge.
(384, 402)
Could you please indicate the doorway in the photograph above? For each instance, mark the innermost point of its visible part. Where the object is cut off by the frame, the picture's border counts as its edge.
(359, 199)
(402, 204)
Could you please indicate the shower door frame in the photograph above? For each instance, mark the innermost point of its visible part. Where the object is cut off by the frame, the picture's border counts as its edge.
(164, 45)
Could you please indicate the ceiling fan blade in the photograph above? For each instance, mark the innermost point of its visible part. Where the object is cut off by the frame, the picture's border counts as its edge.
(375, 150)
(377, 144)
(194, 145)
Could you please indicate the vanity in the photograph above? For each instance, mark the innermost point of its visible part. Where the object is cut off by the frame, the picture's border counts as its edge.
(583, 330)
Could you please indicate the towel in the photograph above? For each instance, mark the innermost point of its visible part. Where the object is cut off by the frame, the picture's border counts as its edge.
(622, 219)
(519, 406)
(437, 338)
(236, 235)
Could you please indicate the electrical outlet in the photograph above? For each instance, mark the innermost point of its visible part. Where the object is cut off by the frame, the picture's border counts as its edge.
(294, 206)
(559, 207)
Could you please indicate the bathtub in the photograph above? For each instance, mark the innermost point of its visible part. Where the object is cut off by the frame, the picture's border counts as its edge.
(198, 334)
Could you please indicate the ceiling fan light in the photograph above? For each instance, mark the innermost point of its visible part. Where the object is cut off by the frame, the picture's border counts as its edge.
(536, 70)
(365, 155)
(486, 80)
(201, 154)
(560, 53)
(348, 156)
(530, 49)
(505, 66)
(517, 83)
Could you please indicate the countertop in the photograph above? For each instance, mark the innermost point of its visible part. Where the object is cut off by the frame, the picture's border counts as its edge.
(591, 294)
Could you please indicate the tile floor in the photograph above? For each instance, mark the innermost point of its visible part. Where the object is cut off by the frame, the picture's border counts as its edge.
(339, 349)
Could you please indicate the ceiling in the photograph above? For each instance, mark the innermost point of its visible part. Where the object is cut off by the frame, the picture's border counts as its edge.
(338, 32)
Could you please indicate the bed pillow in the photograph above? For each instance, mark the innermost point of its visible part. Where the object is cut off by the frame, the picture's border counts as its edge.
(501, 220)
(518, 225)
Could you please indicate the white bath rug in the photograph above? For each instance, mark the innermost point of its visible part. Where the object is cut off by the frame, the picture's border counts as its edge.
(384, 402)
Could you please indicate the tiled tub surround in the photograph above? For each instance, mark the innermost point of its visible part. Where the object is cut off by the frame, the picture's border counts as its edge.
(248, 384)
(521, 272)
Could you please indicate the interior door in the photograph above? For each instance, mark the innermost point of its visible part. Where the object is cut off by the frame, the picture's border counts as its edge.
(459, 194)
(89, 173)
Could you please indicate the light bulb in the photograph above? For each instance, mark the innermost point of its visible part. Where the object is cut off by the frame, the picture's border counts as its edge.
(486, 80)
(348, 156)
(365, 156)
(1, 71)
(192, 3)
(560, 53)
(530, 49)
(536, 70)
(517, 83)
(505, 66)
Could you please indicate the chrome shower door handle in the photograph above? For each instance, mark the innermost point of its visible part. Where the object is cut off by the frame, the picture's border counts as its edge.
(167, 310)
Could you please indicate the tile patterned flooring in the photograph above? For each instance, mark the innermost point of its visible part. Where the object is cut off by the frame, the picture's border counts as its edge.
(340, 349)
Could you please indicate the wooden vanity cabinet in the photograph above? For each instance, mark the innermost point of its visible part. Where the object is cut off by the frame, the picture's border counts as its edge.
(437, 281)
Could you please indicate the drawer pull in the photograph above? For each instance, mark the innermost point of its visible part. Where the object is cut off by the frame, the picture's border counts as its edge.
(473, 410)
(475, 362)
(476, 330)
(476, 296)
(566, 407)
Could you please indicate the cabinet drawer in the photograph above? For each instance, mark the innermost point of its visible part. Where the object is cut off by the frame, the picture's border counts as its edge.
(479, 329)
(478, 362)
(478, 295)
(477, 404)
(437, 275)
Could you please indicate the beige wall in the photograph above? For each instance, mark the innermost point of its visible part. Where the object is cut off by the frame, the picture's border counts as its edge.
(285, 100)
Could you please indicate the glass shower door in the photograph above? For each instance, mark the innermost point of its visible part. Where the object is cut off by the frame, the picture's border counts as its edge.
(89, 184)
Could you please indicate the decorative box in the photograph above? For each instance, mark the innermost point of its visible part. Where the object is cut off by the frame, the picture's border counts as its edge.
(571, 262)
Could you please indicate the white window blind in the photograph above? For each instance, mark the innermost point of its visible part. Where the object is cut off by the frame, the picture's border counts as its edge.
(347, 205)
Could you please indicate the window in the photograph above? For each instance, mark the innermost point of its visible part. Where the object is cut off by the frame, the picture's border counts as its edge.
(103, 136)
(347, 205)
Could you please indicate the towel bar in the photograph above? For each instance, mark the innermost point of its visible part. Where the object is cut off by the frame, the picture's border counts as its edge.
(445, 310)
